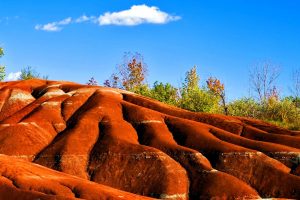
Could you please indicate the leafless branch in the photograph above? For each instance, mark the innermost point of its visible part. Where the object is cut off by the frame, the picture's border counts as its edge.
(263, 77)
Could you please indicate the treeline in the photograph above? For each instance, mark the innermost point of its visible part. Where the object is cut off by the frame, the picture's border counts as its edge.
(266, 103)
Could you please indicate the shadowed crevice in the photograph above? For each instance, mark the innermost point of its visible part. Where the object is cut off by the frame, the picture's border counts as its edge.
(93, 153)
(69, 125)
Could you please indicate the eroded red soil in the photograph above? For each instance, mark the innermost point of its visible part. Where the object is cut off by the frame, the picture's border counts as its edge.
(61, 140)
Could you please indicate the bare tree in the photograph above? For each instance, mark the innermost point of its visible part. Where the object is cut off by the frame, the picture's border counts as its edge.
(131, 73)
(296, 87)
(263, 78)
(296, 83)
(92, 81)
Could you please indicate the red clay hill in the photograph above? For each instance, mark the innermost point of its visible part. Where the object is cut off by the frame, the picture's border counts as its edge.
(61, 140)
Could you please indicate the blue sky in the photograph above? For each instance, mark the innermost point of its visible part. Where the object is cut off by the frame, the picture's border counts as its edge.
(223, 38)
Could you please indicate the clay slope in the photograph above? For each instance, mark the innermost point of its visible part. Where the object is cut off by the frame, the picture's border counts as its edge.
(110, 144)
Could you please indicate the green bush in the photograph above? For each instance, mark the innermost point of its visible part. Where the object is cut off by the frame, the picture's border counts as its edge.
(200, 100)
(143, 90)
(246, 107)
(165, 93)
(284, 113)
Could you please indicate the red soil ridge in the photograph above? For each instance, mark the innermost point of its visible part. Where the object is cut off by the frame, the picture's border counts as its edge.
(62, 140)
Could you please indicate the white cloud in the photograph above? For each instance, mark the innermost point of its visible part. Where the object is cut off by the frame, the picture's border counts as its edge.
(85, 18)
(13, 76)
(54, 26)
(48, 27)
(65, 21)
(136, 15)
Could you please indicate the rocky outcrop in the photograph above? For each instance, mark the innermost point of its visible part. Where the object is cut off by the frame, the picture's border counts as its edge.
(61, 140)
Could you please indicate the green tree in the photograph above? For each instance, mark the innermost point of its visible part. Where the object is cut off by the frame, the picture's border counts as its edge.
(195, 98)
(144, 90)
(200, 100)
(2, 68)
(165, 93)
(191, 81)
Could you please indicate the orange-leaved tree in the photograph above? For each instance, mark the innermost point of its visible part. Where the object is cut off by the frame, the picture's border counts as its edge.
(218, 88)
(131, 73)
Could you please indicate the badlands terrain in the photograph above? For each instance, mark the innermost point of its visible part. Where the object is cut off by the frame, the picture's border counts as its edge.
(62, 140)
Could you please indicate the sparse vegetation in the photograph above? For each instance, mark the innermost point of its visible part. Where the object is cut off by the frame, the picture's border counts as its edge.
(266, 103)
(92, 81)
(246, 107)
(263, 78)
(296, 88)
(30, 73)
(2, 68)
(130, 74)
(269, 105)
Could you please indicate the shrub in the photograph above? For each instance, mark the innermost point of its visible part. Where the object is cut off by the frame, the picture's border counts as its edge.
(143, 90)
(284, 112)
(165, 93)
(200, 100)
(30, 73)
(246, 107)
(279, 112)
(2, 68)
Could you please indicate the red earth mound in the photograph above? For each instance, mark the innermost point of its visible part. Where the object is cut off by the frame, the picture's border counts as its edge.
(61, 140)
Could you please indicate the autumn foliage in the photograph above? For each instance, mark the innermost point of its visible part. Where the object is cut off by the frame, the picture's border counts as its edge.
(266, 103)
(218, 89)
(130, 73)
